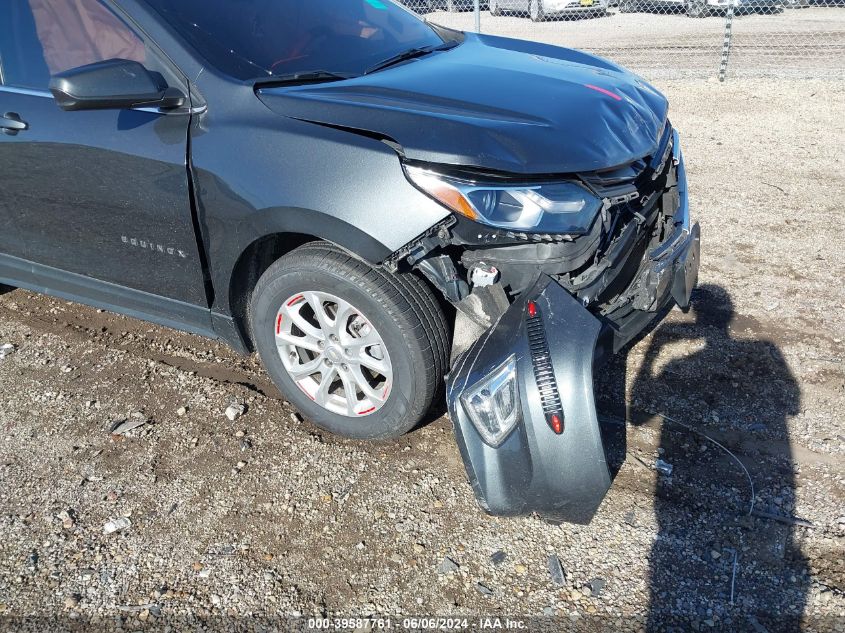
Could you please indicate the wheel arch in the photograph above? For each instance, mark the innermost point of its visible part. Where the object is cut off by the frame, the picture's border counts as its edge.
(270, 236)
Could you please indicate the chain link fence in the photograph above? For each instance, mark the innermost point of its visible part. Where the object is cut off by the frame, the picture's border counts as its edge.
(670, 38)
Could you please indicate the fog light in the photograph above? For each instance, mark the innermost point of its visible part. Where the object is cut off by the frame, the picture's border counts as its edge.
(493, 403)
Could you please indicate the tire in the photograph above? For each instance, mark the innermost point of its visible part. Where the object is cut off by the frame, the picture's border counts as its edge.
(535, 10)
(401, 310)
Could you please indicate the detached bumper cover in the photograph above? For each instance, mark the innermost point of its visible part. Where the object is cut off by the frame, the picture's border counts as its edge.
(561, 477)
(565, 476)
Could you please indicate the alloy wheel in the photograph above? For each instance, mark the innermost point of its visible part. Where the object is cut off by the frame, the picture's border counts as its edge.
(334, 354)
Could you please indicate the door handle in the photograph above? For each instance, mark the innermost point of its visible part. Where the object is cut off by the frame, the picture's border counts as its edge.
(11, 123)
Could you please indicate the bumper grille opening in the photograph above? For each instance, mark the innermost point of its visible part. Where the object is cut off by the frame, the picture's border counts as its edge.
(541, 360)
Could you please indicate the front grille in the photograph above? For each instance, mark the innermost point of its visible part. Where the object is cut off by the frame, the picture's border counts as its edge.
(611, 178)
(635, 177)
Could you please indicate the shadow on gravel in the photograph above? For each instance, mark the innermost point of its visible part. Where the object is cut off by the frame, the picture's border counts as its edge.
(714, 563)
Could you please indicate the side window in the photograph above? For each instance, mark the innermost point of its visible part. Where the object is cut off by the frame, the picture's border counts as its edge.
(47, 37)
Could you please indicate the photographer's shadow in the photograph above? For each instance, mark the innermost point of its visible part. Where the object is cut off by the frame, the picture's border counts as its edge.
(708, 547)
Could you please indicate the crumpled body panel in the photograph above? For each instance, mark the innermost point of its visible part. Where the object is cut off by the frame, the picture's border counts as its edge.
(561, 477)
(496, 104)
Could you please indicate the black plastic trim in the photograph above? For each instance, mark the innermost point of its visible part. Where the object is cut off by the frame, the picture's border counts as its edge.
(112, 297)
(544, 372)
(200, 230)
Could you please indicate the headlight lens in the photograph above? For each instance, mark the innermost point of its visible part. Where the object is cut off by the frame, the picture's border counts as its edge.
(493, 404)
(563, 207)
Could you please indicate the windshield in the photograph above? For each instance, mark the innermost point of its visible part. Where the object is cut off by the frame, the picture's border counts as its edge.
(250, 39)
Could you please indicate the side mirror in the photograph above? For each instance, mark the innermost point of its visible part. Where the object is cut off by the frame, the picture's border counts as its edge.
(115, 84)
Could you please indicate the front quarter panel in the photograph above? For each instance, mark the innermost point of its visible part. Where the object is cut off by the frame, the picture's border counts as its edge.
(259, 173)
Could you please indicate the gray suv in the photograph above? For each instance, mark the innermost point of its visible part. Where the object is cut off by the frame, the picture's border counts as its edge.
(387, 211)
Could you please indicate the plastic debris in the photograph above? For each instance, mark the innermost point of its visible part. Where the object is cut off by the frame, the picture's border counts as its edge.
(498, 557)
(6, 349)
(556, 571)
(121, 427)
(448, 566)
(484, 589)
(664, 468)
(596, 586)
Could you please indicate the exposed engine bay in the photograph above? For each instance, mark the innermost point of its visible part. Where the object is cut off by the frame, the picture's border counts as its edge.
(537, 312)
(481, 270)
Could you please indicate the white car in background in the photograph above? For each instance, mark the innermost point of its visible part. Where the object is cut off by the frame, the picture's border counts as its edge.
(704, 8)
(539, 10)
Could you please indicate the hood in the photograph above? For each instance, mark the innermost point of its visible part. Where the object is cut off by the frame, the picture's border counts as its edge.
(497, 104)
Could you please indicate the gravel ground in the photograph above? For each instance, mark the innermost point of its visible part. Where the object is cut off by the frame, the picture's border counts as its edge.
(795, 43)
(245, 522)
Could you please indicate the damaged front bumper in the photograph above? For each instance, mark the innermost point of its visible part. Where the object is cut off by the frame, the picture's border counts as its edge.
(668, 273)
(553, 462)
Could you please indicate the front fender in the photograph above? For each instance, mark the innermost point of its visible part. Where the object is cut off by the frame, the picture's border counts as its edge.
(560, 477)
(313, 223)
(256, 173)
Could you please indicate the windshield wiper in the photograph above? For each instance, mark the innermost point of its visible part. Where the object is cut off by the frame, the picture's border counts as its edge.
(303, 77)
(412, 53)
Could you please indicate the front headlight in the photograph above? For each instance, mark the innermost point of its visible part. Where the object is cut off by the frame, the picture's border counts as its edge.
(563, 207)
(493, 403)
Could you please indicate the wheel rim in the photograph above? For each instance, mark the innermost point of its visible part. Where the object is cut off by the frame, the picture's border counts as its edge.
(334, 354)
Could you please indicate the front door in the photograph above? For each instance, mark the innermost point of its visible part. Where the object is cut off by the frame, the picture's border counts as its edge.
(103, 194)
